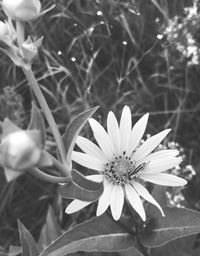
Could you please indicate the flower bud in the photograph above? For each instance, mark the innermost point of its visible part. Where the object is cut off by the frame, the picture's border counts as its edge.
(22, 10)
(29, 50)
(7, 33)
(21, 150)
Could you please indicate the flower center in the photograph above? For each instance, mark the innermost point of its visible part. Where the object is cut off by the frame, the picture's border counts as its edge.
(122, 170)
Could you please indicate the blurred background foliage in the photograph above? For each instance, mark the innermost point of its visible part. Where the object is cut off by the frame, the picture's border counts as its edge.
(110, 53)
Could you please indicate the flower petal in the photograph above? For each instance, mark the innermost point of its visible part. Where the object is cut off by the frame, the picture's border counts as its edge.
(91, 149)
(143, 192)
(76, 205)
(149, 145)
(125, 128)
(104, 200)
(117, 201)
(160, 154)
(164, 179)
(160, 165)
(137, 133)
(113, 131)
(135, 201)
(102, 138)
(87, 161)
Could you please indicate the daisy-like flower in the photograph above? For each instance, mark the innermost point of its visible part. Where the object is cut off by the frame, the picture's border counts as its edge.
(124, 163)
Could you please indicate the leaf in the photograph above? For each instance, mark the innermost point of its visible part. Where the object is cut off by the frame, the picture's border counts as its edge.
(196, 252)
(73, 129)
(160, 196)
(180, 246)
(9, 127)
(45, 159)
(133, 251)
(179, 222)
(51, 230)
(97, 234)
(13, 53)
(13, 251)
(81, 188)
(37, 122)
(29, 247)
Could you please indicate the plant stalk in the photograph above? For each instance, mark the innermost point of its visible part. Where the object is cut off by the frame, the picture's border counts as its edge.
(41, 99)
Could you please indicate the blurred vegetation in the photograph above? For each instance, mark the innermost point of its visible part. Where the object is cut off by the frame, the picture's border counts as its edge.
(110, 53)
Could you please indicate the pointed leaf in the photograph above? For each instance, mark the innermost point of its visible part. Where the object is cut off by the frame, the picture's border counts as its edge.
(13, 53)
(29, 247)
(9, 127)
(51, 230)
(45, 159)
(97, 234)
(179, 222)
(81, 188)
(11, 174)
(73, 129)
(37, 122)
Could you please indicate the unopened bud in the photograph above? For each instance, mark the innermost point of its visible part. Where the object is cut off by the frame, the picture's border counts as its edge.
(21, 150)
(22, 10)
(30, 50)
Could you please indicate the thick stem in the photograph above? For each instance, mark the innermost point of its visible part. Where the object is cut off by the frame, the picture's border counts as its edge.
(49, 178)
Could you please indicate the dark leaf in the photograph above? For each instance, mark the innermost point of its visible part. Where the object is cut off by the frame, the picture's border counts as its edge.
(160, 196)
(131, 252)
(97, 234)
(13, 251)
(196, 252)
(179, 222)
(29, 247)
(73, 129)
(51, 230)
(180, 246)
(81, 188)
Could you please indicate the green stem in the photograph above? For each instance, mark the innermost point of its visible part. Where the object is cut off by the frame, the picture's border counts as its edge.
(43, 104)
(42, 101)
(49, 178)
(20, 32)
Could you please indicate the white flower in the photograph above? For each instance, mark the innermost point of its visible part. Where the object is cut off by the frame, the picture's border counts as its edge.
(23, 10)
(122, 163)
